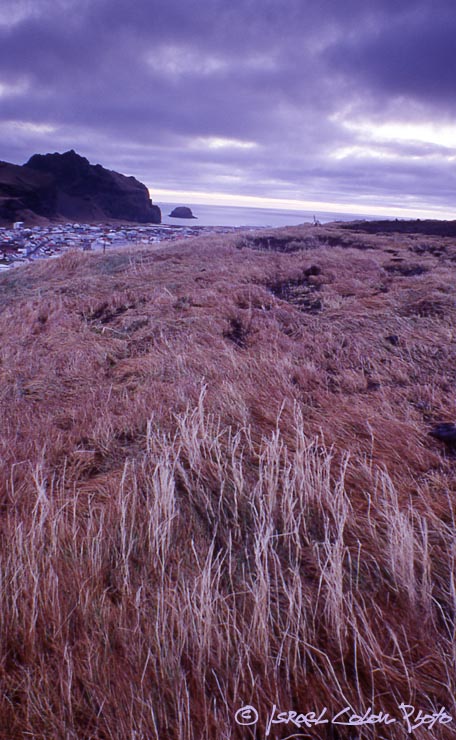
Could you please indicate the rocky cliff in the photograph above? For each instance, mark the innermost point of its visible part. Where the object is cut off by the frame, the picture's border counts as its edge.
(67, 186)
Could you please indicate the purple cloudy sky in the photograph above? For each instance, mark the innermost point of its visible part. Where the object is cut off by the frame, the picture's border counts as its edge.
(342, 101)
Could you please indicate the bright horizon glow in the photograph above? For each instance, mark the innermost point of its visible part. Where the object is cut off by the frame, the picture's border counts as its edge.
(190, 197)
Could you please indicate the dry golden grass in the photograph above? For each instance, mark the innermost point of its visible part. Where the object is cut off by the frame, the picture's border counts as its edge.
(218, 486)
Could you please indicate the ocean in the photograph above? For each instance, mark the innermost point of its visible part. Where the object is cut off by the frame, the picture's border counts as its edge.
(210, 215)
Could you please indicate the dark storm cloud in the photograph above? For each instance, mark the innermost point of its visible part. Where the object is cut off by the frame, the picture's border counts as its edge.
(161, 89)
(413, 57)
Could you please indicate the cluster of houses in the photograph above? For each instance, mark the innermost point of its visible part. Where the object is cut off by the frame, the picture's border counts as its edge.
(20, 243)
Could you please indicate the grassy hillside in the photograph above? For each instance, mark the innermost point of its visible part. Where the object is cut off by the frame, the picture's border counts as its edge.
(218, 487)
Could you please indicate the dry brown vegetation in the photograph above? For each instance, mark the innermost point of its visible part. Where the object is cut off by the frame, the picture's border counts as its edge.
(218, 486)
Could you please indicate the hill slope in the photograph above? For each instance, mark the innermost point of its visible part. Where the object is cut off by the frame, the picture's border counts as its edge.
(219, 488)
(67, 186)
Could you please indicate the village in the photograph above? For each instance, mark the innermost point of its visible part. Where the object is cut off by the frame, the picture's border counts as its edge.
(20, 244)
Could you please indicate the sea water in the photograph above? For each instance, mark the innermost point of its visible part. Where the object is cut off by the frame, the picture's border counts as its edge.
(211, 215)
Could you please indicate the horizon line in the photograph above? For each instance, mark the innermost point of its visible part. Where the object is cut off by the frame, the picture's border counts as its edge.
(176, 197)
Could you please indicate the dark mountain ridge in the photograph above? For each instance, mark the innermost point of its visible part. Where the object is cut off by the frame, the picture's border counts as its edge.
(66, 186)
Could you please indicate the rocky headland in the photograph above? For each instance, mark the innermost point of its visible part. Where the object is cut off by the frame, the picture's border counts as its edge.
(66, 186)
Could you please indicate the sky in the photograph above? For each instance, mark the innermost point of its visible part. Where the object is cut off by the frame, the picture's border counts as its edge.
(344, 104)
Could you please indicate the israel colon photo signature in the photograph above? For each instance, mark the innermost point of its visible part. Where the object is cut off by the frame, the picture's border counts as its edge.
(411, 717)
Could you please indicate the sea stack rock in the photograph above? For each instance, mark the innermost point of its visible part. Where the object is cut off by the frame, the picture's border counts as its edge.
(181, 212)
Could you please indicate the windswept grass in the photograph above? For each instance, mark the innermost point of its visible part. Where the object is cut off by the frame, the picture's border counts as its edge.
(215, 493)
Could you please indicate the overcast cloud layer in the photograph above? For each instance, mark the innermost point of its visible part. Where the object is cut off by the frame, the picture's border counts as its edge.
(350, 102)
